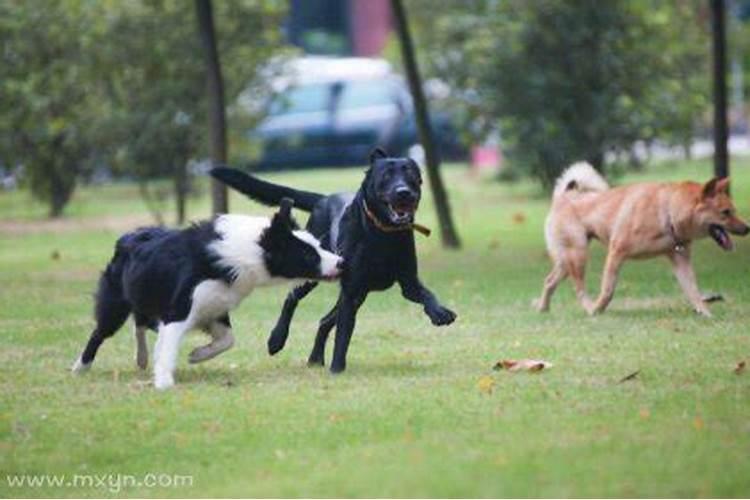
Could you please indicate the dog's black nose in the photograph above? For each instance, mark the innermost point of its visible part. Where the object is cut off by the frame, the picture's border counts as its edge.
(340, 264)
(404, 194)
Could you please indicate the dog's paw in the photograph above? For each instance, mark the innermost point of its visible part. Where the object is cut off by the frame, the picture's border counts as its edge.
(703, 311)
(441, 316)
(276, 342)
(141, 359)
(80, 367)
(163, 381)
(316, 361)
(539, 306)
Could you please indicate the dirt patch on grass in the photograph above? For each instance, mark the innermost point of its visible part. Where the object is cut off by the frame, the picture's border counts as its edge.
(15, 227)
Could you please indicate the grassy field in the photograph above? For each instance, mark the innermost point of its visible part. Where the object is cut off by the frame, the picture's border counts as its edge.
(419, 411)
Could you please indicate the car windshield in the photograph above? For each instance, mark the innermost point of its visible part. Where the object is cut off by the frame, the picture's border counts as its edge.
(303, 99)
(365, 93)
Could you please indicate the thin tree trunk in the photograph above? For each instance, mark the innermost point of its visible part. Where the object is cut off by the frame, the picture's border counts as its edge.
(181, 191)
(721, 155)
(447, 229)
(215, 88)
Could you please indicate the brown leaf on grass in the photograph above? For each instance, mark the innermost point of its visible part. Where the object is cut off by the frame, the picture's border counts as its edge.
(55, 255)
(698, 423)
(519, 217)
(516, 365)
(630, 376)
(644, 413)
(740, 368)
(485, 384)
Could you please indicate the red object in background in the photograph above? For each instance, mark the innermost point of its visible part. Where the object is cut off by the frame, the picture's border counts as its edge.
(370, 26)
(486, 158)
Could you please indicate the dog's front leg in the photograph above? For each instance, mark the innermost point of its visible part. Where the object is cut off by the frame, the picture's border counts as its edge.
(412, 289)
(168, 345)
(222, 340)
(683, 271)
(280, 332)
(348, 306)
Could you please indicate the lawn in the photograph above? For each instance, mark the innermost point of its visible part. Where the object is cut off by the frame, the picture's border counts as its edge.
(419, 411)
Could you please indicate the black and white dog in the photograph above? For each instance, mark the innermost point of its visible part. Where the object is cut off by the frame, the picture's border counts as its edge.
(371, 229)
(179, 280)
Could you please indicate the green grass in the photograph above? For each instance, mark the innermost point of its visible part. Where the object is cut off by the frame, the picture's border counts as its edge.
(408, 417)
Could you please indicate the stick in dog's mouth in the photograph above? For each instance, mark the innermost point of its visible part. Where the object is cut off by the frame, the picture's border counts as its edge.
(720, 236)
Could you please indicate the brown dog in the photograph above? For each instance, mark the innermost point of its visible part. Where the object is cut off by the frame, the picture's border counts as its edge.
(636, 221)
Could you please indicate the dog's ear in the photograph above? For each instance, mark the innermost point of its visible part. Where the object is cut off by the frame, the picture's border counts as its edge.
(278, 234)
(285, 207)
(377, 154)
(282, 220)
(716, 186)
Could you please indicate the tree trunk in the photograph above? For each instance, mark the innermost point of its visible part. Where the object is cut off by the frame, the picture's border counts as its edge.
(447, 229)
(215, 89)
(721, 155)
(181, 191)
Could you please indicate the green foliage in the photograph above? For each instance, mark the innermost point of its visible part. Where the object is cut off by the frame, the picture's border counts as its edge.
(122, 84)
(157, 81)
(570, 80)
(48, 92)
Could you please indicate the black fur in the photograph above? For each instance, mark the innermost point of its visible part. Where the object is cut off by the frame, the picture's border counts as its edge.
(374, 259)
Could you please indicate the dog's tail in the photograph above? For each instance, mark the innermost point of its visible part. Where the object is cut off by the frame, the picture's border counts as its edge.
(579, 177)
(263, 191)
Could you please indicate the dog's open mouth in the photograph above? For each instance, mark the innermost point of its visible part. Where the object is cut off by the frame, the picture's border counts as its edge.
(401, 213)
(720, 236)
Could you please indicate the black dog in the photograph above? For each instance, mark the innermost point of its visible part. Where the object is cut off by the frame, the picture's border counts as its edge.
(371, 229)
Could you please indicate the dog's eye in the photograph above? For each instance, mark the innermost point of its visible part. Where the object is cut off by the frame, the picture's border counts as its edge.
(726, 212)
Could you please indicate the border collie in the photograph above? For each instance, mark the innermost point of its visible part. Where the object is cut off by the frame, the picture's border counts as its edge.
(174, 281)
(373, 229)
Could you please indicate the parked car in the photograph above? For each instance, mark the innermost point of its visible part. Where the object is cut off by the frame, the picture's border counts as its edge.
(333, 111)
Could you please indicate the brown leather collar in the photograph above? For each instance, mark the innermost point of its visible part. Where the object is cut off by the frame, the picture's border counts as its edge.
(679, 245)
(392, 229)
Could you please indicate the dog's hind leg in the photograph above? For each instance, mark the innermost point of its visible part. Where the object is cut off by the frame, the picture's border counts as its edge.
(345, 321)
(683, 271)
(612, 266)
(575, 267)
(111, 313)
(280, 332)
(223, 340)
(317, 356)
(556, 275)
(141, 353)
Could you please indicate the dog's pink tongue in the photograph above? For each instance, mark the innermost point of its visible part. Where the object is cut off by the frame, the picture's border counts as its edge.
(726, 242)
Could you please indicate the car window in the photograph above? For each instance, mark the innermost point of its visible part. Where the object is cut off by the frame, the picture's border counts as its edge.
(303, 99)
(363, 94)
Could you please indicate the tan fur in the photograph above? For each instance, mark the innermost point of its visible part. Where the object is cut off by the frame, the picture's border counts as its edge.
(634, 221)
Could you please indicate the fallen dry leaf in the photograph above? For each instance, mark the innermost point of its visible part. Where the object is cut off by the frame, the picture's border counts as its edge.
(486, 383)
(644, 413)
(515, 365)
(519, 217)
(698, 423)
(740, 368)
(630, 376)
